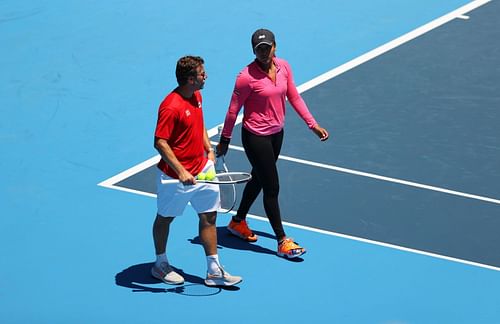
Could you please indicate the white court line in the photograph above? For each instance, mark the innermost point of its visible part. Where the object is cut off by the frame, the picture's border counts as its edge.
(379, 177)
(458, 13)
(326, 76)
(392, 246)
(109, 183)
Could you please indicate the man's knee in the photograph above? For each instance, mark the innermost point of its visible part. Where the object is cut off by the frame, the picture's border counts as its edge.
(208, 219)
(164, 219)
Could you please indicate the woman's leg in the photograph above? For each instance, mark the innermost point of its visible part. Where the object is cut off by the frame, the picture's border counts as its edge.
(262, 153)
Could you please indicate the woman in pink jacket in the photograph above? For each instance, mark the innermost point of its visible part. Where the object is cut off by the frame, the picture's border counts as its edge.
(262, 88)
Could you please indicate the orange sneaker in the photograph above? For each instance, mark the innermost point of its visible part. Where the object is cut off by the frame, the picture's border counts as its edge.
(242, 231)
(289, 249)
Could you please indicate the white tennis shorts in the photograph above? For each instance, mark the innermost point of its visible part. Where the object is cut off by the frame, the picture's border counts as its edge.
(173, 198)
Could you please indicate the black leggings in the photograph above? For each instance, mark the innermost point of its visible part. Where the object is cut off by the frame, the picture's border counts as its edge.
(262, 153)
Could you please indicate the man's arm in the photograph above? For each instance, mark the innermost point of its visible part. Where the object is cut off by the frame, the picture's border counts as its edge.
(169, 157)
(208, 146)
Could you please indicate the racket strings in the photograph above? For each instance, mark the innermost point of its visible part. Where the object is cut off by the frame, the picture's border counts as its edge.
(227, 192)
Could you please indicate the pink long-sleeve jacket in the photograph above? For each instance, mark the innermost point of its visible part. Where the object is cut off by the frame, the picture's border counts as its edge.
(264, 100)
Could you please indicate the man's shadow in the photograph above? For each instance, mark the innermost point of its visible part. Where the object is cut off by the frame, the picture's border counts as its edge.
(138, 278)
(228, 240)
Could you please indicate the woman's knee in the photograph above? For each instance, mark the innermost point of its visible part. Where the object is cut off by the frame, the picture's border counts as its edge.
(271, 190)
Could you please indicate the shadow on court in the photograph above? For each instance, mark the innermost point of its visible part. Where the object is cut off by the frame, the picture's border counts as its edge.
(138, 278)
(227, 240)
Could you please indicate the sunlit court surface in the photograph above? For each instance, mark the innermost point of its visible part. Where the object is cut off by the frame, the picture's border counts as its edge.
(399, 210)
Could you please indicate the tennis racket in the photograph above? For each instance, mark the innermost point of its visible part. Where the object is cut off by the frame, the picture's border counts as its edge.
(227, 193)
(226, 178)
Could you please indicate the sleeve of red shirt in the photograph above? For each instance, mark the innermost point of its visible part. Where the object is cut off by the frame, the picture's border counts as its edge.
(240, 94)
(296, 100)
(166, 121)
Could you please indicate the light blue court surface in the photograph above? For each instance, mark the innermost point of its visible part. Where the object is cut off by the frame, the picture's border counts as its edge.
(80, 84)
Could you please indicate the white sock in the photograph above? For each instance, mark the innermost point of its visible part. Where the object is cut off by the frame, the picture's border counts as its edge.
(213, 265)
(161, 258)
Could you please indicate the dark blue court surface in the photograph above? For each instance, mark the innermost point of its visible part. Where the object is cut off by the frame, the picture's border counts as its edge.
(399, 210)
(426, 112)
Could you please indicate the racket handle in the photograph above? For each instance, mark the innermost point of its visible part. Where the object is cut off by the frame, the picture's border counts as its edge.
(169, 181)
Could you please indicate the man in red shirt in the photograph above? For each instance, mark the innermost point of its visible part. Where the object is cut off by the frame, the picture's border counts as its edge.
(185, 149)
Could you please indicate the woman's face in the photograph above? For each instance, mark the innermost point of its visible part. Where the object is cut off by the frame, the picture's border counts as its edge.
(264, 53)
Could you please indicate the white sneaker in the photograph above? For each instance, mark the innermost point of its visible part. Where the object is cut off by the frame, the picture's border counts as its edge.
(222, 279)
(166, 274)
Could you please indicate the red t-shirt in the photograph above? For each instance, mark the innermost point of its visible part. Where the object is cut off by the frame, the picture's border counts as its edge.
(180, 123)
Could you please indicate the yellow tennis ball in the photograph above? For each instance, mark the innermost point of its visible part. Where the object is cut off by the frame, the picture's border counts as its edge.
(201, 176)
(210, 175)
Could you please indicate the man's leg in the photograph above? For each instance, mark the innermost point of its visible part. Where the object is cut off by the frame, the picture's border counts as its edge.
(162, 270)
(161, 229)
(216, 275)
(208, 232)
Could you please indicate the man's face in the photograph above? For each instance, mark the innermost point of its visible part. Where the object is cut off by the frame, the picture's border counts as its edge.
(201, 76)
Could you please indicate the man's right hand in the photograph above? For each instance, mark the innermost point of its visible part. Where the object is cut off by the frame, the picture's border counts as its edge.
(187, 178)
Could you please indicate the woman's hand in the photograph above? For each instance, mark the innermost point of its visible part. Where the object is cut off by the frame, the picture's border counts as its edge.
(221, 149)
(320, 132)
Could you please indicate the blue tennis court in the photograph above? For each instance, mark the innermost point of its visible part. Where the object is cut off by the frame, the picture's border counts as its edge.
(399, 209)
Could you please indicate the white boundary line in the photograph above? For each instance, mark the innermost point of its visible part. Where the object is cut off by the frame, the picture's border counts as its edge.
(109, 183)
(458, 13)
(379, 177)
(392, 246)
(326, 76)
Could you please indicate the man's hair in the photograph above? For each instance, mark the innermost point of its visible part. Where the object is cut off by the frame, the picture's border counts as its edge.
(186, 67)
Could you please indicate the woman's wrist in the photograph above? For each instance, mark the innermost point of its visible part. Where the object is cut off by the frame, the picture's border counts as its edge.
(224, 140)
